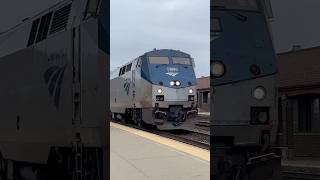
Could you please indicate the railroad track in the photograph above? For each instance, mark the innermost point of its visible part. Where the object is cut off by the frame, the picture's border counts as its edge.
(197, 139)
(189, 137)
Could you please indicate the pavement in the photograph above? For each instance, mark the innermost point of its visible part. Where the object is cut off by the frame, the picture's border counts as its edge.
(138, 155)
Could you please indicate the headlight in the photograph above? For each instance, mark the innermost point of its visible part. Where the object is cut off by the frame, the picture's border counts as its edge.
(171, 83)
(178, 83)
(160, 90)
(217, 69)
(190, 91)
(259, 93)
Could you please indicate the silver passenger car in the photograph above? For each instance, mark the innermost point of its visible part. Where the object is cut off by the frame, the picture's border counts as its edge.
(53, 73)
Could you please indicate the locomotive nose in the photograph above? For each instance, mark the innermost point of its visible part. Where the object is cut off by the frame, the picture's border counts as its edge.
(177, 95)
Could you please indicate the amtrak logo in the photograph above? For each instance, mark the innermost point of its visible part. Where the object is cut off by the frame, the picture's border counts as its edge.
(172, 71)
(126, 86)
(53, 78)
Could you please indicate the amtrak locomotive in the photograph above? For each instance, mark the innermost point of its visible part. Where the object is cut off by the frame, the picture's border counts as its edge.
(157, 88)
(53, 74)
(243, 87)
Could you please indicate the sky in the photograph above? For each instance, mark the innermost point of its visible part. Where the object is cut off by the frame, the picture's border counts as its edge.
(296, 22)
(139, 26)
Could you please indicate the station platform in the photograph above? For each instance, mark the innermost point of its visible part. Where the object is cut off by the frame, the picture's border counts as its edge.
(139, 155)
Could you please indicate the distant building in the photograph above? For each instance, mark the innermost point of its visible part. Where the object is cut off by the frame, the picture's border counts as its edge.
(203, 93)
(298, 83)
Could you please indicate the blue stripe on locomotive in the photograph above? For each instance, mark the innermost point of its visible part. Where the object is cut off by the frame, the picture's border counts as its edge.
(157, 73)
(244, 40)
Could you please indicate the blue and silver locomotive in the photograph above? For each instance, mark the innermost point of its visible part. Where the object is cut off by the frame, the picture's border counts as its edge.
(53, 93)
(242, 79)
(243, 68)
(157, 88)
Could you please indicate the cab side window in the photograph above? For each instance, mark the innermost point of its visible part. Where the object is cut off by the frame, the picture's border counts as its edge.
(120, 71)
(129, 67)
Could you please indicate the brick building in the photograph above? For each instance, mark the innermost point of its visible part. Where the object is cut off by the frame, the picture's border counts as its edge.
(298, 82)
(203, 93)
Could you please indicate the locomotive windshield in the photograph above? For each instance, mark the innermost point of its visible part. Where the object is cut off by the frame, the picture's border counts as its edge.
(166, 65)
(180, 60)
(158, 60)
(165, 60)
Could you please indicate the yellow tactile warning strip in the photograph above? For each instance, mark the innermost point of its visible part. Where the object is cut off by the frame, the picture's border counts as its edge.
(183, 147)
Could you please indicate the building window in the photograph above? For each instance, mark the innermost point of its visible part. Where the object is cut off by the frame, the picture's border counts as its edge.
(306, 114)
(205, 97)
